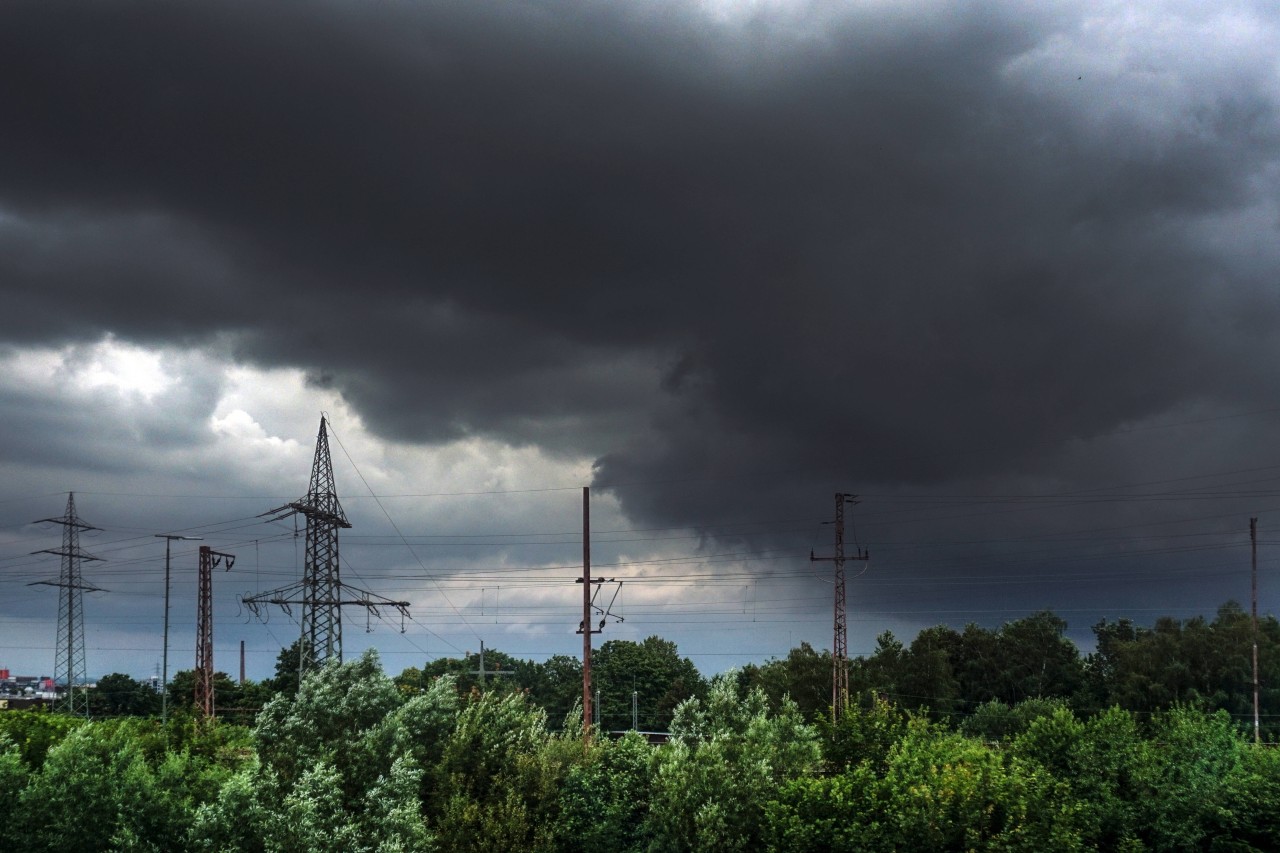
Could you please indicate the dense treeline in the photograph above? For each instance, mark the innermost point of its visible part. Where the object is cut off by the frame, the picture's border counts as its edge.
(952, 675)
(947, 673)
(1030, 748)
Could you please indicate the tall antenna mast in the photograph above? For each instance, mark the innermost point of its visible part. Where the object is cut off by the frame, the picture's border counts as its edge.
(840, 642)
(320, 594)
(69, 664)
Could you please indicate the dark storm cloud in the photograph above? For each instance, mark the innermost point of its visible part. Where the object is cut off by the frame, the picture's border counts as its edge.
(854, 245)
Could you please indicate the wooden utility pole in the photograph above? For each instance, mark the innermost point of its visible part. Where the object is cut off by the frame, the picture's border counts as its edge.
(585, 628)
(1253, 540)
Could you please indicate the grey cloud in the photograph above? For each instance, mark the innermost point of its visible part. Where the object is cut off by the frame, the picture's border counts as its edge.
(821, 247)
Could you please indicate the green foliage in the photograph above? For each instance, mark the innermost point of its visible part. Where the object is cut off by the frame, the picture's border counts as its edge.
(996, 721)
(36, 732)
(654, 670)
(312, 817)
(938, 791)
(119, 695)
(231, 699)
(1199, 663)
(13, 778)
(500, 776)
(712, 781)
(503, 673)
(338, 767)
(1251, 798)
(98, 790)
(864, 735)
(1098, 759)
(237, 820)
(1190, 768)
(604, 800)
(557, 686)
(332, 709)
(840, 814)
(355, 761)
(804, 675)
(944, 791)
(952, 673)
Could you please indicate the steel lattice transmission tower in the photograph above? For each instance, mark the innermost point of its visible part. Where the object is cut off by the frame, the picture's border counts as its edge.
(69, 664)
(840, 641)
(321, 591)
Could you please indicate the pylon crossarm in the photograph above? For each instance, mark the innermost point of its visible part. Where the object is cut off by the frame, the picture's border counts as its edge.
(82, 587)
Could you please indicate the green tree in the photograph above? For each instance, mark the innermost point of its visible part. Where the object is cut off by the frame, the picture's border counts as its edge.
(1190, 770)
(289, 667)
(99, 790)
(943, 791)
(996, 721)
(605, 799)
(500, 776)
(713, 779)
(339, 765)
(119, 695)
(653, 669)
(932, 790)
(36, 732)
(229, 697)
(863, 735)
(1099, 760)
(1036, 660)
(804, 675)
(13, 779)
(557, 687)
(925, 677)
(1205, 664)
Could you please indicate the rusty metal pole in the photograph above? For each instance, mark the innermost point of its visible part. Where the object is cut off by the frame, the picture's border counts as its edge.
(840, 637)
(204, 634)
(586, 611)
(1253, 539)
(204, 692)
(840, 634)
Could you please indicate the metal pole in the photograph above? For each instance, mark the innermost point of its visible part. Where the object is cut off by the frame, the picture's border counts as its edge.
(164, 674)
(1253, 539)
(840, 638)
(586, 610)
(839, 642)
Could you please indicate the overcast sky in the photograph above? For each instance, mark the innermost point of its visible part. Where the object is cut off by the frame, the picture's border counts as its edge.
(1007, 270)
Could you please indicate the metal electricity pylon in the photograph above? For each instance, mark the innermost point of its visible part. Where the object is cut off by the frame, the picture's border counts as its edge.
(209, 560)
(320, 594)
(69, 664)
(840, 642)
